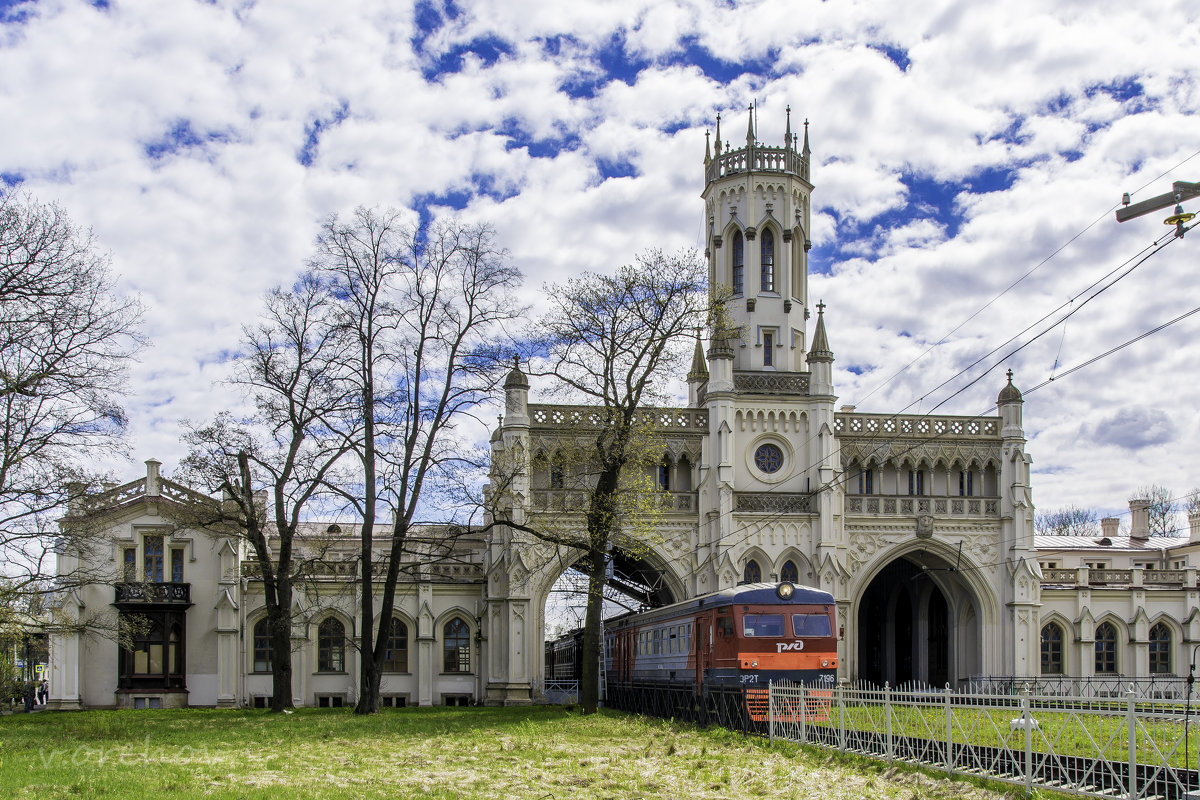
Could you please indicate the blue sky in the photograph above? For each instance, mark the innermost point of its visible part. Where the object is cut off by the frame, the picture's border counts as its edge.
(956, 145)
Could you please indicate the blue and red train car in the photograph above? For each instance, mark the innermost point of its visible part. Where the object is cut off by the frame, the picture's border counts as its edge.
(748, 635)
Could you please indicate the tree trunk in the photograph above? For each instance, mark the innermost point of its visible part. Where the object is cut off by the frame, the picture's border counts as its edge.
(279, 624)
(589, 678)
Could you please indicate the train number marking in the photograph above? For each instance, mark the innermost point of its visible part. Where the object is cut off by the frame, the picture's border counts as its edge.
(749, 678)
(783, 647)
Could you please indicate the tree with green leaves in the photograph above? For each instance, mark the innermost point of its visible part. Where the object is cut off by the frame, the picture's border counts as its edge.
(614, 341)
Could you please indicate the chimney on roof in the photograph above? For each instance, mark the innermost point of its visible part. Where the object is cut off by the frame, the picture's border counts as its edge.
(1139, 512)
(1109, 526)
(152, 466)
(1194, 523)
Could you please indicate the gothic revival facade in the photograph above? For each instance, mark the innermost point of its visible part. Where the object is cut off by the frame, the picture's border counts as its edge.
(921, 526)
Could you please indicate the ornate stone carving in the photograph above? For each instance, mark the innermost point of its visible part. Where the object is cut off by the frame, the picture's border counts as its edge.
(924, 526)
(772, 502)
(795, 383)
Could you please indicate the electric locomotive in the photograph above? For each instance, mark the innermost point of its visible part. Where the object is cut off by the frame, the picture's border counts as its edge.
(747, 635)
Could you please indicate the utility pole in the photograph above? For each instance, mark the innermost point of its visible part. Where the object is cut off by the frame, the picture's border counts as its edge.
(1180, 191)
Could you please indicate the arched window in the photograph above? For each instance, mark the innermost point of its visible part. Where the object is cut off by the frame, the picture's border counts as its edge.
(331, 646)
(1106, 648)
(753, 573)
(739, 263)
(262, 646)
(916, 482)
(456, 646)
(788, 572)
(664, 474)
(556, 472)
(767, 249)
(1160, 649)
(1052, 650)
(395, 657)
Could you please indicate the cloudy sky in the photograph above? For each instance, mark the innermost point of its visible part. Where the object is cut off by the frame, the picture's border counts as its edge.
(957, 146)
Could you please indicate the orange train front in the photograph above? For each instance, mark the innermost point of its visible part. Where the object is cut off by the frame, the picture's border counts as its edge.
(747, 635)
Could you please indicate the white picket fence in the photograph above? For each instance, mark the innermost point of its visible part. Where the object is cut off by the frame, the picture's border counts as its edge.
(1127, 747)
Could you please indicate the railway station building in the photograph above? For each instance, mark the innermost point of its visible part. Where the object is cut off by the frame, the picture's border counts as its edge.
(920, 526)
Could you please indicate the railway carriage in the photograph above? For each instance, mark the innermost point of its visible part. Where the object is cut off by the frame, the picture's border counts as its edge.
(750, 634)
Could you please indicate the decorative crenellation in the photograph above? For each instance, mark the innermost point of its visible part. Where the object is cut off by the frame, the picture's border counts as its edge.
(593, 418)
(916, 426)
(758, 158)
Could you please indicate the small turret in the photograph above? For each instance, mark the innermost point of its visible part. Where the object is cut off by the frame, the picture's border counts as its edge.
(820, 358)
(516, 396)
(1009, 403)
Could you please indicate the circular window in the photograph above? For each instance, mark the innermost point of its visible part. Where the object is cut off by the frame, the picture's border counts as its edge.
(768, 458)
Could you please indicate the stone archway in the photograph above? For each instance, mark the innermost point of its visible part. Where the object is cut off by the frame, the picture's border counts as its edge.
(917, 621)
(645, 576)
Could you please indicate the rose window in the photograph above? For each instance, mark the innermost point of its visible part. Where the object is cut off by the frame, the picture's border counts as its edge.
(768, 458)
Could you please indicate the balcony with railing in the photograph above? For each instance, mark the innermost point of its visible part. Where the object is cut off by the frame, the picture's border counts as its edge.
(154, 593)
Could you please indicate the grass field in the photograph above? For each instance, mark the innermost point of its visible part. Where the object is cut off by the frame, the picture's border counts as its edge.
(541, 752)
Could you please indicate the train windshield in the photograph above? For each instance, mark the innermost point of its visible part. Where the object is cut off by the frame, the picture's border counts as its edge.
(810, 625)
(762, 625)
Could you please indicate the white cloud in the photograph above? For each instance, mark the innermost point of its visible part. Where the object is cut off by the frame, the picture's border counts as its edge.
(1011, 90)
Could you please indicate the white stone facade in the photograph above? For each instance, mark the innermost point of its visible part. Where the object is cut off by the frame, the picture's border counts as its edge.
(920, 526)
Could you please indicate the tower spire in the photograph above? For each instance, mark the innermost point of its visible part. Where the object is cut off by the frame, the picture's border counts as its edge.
(707, 150)
(718, 134)
(805, 151)
(750, 128)
(787, 136)
(820, 344)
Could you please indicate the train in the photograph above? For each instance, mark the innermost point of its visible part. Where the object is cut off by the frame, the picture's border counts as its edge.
(738, 639)
(750, 634)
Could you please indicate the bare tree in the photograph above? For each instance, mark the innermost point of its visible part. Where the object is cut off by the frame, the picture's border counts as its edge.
(421, 311)
(1191, 502)
(1164, 510)
(272, 466)
(66, 341)
(1066, 521)
(615, 340)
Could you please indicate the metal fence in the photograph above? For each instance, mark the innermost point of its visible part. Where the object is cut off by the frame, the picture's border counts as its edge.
(559, 692)
(1127, 747)
(1169, 687)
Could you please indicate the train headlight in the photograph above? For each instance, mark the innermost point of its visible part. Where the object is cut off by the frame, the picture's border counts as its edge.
(785, 590)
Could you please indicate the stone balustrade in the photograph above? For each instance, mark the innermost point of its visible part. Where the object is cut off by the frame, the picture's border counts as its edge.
(577, 500)
(1120, 578)
(920, 505)
(920, 426)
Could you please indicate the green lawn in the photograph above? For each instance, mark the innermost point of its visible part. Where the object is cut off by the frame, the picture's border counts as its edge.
(543, 752)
